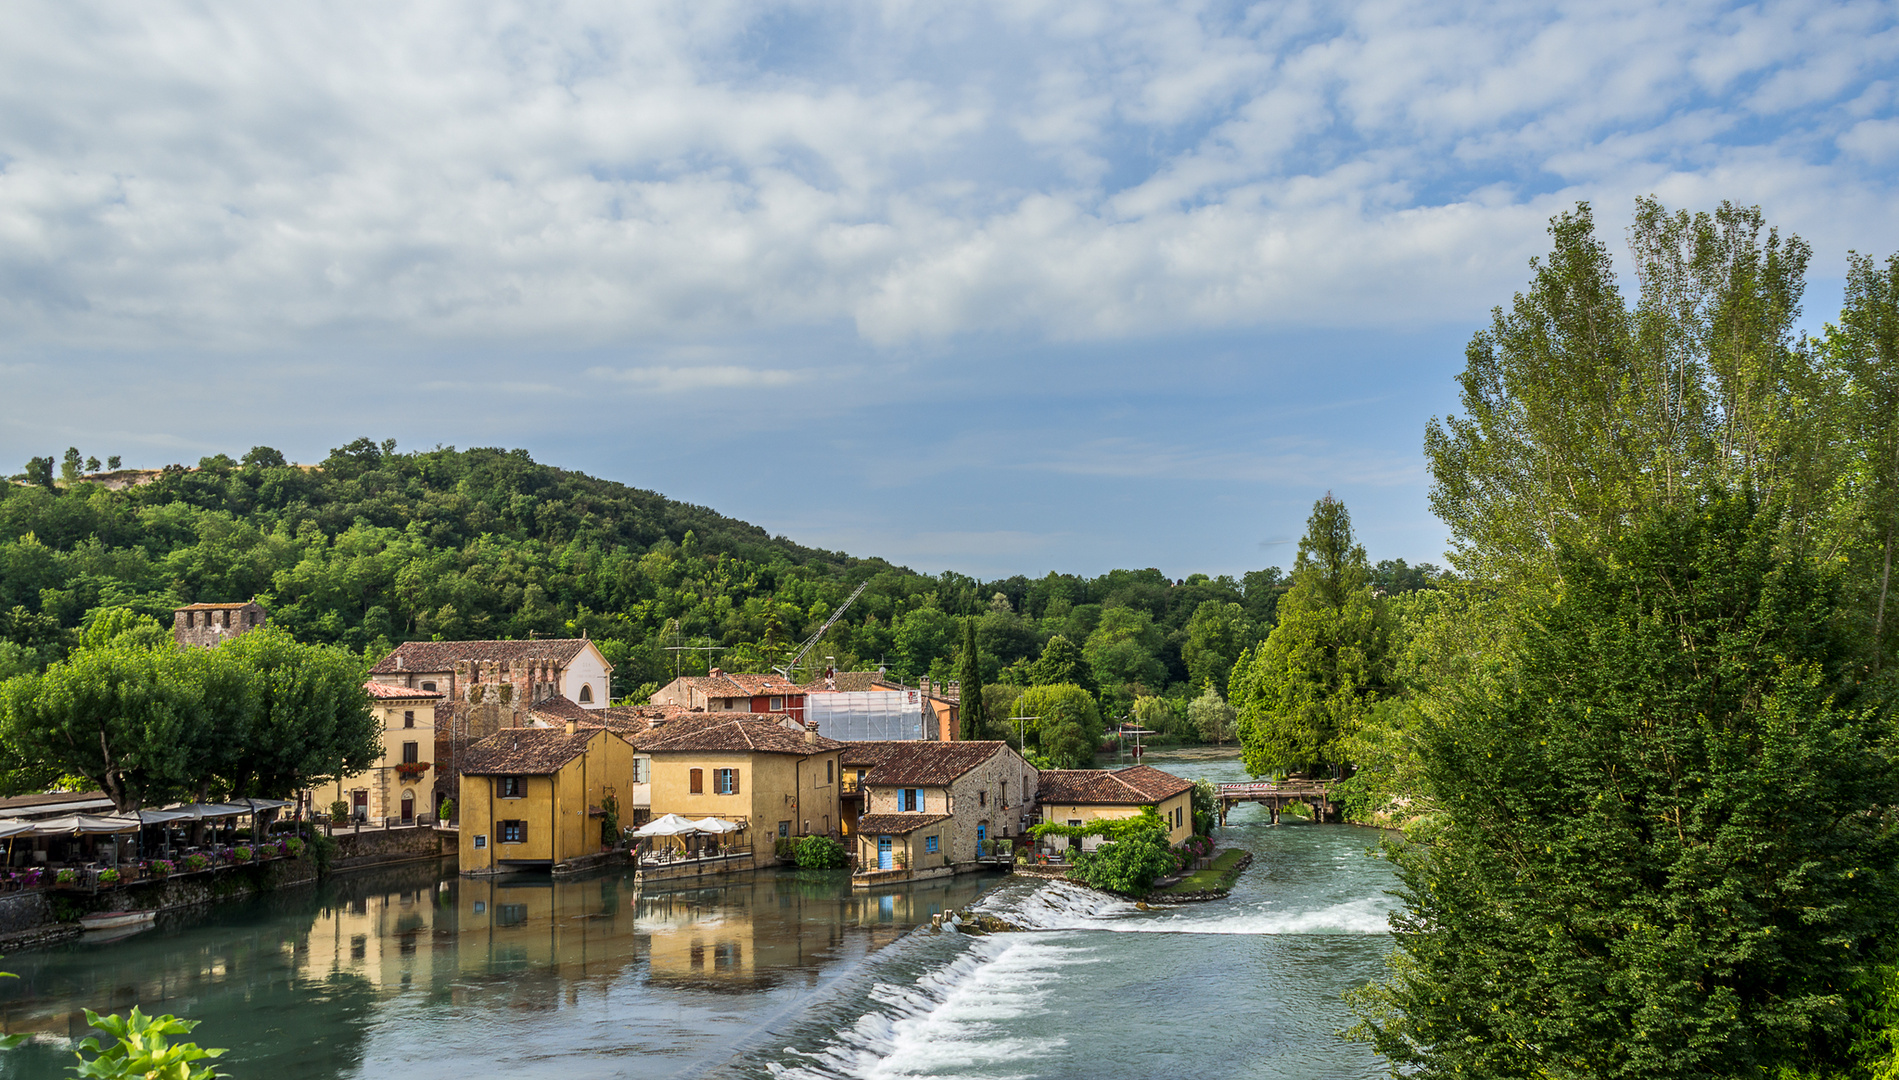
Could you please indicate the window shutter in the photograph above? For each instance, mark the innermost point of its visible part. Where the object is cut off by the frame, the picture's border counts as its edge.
(697, 782)
(735, 781)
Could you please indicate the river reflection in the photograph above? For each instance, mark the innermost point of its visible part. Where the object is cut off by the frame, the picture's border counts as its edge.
(414, 967)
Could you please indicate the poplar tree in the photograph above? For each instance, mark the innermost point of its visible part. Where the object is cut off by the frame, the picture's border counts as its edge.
(1662, 845)
(1302, 692)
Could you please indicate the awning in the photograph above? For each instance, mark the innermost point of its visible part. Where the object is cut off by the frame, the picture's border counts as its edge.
(259, 805)
(73, 824)
(160, 817)
(200, 811)
(670, 825)
(717, 825)
(14, 828)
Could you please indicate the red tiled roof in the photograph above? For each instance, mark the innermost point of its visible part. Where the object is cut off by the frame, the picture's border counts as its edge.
(431, 656)
(1136, 785)
(854, 682)
(560, 707)
(752, 732)
(216, 607)
(526, 751)
(913, 761)
(896, 824)
(385, 692)
(727, 684)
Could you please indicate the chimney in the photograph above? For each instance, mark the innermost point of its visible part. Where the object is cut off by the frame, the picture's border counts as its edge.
(811, 733)
(572, 727)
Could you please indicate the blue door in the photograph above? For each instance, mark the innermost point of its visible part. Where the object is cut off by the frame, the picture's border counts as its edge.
(982, 836)
(883, 853)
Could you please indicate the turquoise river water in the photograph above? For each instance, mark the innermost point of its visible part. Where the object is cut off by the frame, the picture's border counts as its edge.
(412, 971)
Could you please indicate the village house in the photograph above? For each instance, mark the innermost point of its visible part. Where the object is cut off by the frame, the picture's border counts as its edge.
(747, 769)
(720, 691)
(537, 796)
(487, 686)
(205, 626)
(1084, 796)
(398, 786)
(926, 809)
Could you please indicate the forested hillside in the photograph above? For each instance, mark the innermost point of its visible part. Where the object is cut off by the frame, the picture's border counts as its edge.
(375, 546)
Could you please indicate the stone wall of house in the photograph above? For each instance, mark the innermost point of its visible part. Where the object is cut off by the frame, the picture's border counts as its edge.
(24, 911)
(378, 847)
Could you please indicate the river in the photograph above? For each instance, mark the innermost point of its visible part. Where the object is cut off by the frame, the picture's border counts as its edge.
(414, 971)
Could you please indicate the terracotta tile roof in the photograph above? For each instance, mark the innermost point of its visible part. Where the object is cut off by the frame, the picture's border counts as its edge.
(916, 762)
(755, 732)
(1136, 785)
(855, 682)
(526, 751)
(896, 824)
(636, 718)
(443, 655)
(385, 692)
(216, 607)
(726, 684)
(561, 708)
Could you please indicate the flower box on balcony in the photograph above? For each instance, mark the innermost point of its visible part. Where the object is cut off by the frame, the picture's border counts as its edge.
(409, 770)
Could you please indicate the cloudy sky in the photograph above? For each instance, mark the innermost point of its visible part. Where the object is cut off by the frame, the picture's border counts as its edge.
(998, 288)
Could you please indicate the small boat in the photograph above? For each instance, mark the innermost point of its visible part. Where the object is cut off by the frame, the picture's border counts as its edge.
(116, 920)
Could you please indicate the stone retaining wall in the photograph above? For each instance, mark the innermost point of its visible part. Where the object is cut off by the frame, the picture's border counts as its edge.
(378, 847)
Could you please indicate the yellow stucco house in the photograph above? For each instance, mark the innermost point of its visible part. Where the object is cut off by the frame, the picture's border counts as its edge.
(398, 785)
(777, 782)
(536, 796)
(1082, 796)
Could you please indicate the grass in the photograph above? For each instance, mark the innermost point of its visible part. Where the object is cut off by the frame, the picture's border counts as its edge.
(1220, 875)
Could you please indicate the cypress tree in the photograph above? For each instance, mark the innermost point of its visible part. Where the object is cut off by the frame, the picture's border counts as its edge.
(970, 694)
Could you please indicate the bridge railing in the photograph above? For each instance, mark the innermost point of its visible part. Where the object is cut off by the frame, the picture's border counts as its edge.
(1269, 787)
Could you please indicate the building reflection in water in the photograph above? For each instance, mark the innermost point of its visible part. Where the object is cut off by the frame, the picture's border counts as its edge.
(333, 981)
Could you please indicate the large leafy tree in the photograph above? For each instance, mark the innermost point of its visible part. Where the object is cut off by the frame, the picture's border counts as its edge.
(1216, 635)
(306, 718)
(1864, 348)
(1662, 845)
(1067, 725)
(1302, 692)
(1124, 651)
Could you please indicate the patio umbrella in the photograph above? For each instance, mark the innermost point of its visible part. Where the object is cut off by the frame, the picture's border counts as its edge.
(669, 825)
(76, 824)
(11, 829)
(716, 825)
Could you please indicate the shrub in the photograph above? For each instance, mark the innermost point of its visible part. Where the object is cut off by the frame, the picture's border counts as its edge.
(447, 810)
(109, 877)
(242, 853)
(195, 861)
(161, 867)
(293, 847)
(339, 812)
(785, 848)
(820, 853)
(65, 877)
(142, 1049)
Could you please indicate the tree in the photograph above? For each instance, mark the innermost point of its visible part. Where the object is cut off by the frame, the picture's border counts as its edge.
(1305, 688)
(112, 462)
(309, 719)
(1124, 651)
(264, 457)
(1216, 635)
(1061, 663)
(1068, 728)
(39, 472)
(972, 719)
(1159, 714)
(1211, 716)
(92, 464)
(1661, 845)
(923, 636)
(1134, 854)
(69, 467)
(1865, 348)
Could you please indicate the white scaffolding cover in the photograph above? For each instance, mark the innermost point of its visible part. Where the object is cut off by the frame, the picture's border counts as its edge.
(866, 714)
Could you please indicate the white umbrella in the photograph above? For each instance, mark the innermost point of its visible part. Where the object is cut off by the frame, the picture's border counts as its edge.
(716, 825)
(670, 825)
(158, 817)
(83, 823)
(199, 811)
(15, 828)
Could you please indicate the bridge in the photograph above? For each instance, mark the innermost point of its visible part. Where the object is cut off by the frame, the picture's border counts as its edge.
(1275, 794)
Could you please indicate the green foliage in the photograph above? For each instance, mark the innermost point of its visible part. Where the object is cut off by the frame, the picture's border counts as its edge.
(1216, 635)
(1304, 690)
(261, 715)
(820, 853)
(1206, 805)
(39, 472)
(1061, 663)
(1134, 854)
(1123, 653)
(143, 1049)
(1212, 718)
(1068, 728)
(339, 812)
(322, 849)
(1659, 846)
(972, 718)
(447, 810)
(610, 821)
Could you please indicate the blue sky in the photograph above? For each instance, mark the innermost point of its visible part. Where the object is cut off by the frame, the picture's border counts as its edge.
(996, 288)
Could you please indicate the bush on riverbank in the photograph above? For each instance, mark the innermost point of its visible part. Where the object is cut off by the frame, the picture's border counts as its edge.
(820, 853)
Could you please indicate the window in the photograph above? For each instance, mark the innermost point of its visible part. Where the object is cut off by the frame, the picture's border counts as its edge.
(725, 781)
(481, 906)
(828, 766)
(510, 787)
(910, 799)
(929, 845)
(586, 694)
(411, 753)
(784, 828)
(777, 704)
(481, 841)
(429, 686)
(982, 798)
(358, 946)
(642, 770)
(510, 914)
(514, 832)
(696, 782)
(408, 718)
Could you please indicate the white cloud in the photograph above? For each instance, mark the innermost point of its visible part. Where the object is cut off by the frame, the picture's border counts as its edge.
(590, 174)
(669, 380)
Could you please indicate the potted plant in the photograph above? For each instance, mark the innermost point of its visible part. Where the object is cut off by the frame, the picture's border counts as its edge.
(409, 770)
(242, 853)
(66, 878)
(161, 868)
(294, 847)
(109, 877)
(195, 861)
(30, 879)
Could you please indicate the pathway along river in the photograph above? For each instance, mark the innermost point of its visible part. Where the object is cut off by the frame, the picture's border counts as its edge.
(413, 971)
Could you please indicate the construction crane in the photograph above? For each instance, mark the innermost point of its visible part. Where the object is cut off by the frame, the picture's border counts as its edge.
(812, 641)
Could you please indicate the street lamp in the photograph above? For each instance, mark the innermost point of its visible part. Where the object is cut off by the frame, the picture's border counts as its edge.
(1021, 745)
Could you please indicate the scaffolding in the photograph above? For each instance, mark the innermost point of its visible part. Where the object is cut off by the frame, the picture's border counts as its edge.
(866, 714)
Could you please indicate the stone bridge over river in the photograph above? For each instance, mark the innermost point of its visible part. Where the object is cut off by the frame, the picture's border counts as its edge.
(1275, 794)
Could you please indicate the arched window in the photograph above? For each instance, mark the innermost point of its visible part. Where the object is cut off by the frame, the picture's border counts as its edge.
(586, 693)
(429, 686)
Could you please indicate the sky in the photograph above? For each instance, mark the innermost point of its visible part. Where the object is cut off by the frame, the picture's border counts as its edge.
(998, 288)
